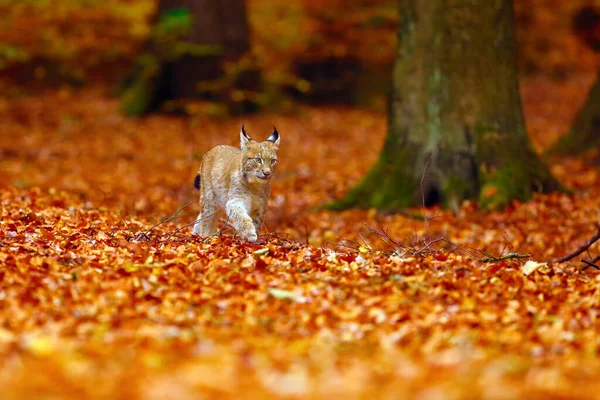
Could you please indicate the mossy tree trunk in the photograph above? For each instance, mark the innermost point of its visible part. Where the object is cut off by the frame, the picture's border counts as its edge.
(190, 42)
(585, 133)
(455, 113)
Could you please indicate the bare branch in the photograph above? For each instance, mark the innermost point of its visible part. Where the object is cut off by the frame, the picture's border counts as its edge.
(426, 246)
(589, 264)
(471, 252)
(580, 250)
(363, 239)
(144, 235)
(385, 236)
(510, 256)
(192, 223)
(595, 259)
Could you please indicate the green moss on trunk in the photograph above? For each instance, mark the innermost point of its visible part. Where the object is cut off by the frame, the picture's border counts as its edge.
(387, 186)
(455, 120)
(504, 185)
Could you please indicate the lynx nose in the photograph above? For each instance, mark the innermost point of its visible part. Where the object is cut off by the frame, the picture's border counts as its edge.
(267, 173)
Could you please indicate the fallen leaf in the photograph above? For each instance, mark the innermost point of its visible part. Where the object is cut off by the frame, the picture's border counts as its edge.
(286, 295)
(532, 266)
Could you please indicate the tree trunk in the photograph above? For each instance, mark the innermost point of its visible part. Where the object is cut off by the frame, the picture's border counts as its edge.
(219, 33)
(455, 118)
(585, 133)
(219, 23)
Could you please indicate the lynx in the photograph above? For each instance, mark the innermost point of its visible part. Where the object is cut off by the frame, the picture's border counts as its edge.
(238, 181)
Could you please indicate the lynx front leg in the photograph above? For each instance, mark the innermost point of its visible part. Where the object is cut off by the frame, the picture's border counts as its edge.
(197, 225)
(241, 221)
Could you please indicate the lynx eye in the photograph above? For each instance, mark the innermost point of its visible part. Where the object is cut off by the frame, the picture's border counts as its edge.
(258, 160)
(273, 161)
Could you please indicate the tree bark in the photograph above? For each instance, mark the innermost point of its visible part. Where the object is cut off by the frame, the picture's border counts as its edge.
(585, 133)
(455, 108)
(221, 23)
(217, 24)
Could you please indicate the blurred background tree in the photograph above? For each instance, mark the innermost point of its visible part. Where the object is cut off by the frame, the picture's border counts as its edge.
(318, 52)
(585, 132)
(455, 113)
(195, 51)
(296, 52)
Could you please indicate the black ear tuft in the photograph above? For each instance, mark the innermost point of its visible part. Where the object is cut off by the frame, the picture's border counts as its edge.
(245, 134)
(197, 181)
(274, 136)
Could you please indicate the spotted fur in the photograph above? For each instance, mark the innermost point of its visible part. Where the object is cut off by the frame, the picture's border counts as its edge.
(237, 181)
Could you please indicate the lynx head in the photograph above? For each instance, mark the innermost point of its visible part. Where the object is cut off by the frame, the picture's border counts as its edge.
(259, 159)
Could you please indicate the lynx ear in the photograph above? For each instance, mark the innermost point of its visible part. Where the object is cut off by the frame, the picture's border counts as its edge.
(244, 138)
(274, 138)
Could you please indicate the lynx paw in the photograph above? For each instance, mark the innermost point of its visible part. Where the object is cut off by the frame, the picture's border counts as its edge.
(196, 230)
(252, 237)
(249, 234)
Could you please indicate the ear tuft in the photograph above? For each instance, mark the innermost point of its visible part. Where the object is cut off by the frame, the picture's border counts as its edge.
(274, 138)
(244, 138)
(245, 134)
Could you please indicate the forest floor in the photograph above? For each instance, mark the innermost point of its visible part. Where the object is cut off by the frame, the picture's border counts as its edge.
(98, 301)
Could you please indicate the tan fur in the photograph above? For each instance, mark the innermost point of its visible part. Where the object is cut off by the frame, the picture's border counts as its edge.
(235, 181)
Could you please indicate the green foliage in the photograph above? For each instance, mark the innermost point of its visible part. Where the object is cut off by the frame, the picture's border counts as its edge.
(284, 36)
(11, 54)
(173, 23)
(81, 35)
(500, 187)
(168, 37)
(386, 186)
(137, 97)
(169, 44)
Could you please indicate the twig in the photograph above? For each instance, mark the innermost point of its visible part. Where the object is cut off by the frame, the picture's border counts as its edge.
(114, 231)
(193, 223)
(509, 256)
(363, 239)
(595, 259)
(217, 233)
(385, 237)
(426, 246)
(386, 241)
(589, 264)
(580, 250)
(472, 252)
(506, 240)
(342, 244)
(145, 234)
(180, 228)
(415, 250)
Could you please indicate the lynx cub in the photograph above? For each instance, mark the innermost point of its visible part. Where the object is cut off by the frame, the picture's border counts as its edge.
(238, 182)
